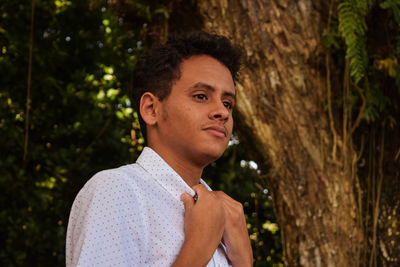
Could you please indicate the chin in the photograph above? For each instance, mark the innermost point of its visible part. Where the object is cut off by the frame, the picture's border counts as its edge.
(213, 153)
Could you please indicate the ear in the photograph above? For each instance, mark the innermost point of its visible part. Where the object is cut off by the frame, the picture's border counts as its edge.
(148, 108)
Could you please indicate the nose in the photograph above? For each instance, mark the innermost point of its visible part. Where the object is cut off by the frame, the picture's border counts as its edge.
(219, 112)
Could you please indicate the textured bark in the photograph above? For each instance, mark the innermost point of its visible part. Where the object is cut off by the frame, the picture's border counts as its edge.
(281, 116)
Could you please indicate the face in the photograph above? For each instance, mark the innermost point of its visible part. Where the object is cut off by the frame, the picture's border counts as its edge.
(195, 120)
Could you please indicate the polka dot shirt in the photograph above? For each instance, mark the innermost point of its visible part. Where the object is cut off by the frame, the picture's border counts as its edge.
(131, 216)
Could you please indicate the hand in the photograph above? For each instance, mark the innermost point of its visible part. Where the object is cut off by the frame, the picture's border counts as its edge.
(204, 227)
(236, 237)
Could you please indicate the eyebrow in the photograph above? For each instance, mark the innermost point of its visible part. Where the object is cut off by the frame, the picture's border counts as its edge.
(212, 89)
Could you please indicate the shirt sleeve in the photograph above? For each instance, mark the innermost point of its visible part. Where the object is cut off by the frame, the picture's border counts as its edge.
(106, 224)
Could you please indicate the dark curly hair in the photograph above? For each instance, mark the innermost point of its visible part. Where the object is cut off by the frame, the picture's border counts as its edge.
(158, 68)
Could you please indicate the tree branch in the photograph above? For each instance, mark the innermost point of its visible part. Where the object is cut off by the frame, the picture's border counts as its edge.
(28, 89)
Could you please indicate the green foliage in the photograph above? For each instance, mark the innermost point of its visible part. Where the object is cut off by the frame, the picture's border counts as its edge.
(352, 25)
(373, 55)
(331, 38)
(394, 6)
(376, 103)
(80, 118)
(371, 36)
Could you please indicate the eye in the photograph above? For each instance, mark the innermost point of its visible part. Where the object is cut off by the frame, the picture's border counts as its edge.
(228, 104)
(201, 97)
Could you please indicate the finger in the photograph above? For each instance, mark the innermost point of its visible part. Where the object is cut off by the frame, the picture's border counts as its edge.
(230, 205)
(200, 189)
(226, 199)
(187, 200)
(222, 194)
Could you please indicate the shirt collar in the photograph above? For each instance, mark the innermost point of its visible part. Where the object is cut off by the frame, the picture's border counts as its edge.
(167, 177)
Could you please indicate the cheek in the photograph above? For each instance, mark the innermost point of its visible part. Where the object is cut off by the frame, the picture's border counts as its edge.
(165, 115)
(182, 116)
(230, 124)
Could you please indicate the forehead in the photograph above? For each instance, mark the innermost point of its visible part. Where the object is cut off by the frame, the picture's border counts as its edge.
(207, 70)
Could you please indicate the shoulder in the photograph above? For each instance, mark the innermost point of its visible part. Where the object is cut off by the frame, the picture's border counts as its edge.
(113, 179)
(119, 185)
(107, 199)
(105, 213)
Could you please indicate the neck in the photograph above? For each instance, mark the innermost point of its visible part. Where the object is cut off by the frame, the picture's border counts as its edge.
(190, 172)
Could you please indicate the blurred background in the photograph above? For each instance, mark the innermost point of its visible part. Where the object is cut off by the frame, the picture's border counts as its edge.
(73, 61)
(315, 155)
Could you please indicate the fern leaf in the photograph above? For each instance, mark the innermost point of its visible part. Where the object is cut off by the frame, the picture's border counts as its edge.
(353, 27)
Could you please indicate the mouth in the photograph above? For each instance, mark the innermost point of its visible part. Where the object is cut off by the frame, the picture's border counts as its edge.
(217, 131)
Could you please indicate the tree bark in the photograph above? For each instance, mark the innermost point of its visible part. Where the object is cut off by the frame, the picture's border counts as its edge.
(281, 93)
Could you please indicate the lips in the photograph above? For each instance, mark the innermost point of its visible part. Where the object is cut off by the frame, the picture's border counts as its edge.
(217, 130)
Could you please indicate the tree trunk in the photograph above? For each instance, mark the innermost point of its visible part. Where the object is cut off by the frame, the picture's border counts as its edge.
(283, 86)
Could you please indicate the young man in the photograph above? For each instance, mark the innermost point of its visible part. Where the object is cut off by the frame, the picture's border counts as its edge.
(158, 211)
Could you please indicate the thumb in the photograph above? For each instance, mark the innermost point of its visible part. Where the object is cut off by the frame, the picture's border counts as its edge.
(187, 200)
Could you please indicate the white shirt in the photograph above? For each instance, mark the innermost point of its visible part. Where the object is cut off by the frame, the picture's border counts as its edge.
(131, 216)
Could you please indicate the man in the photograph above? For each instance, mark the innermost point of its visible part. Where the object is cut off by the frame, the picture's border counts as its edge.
(158, 211)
